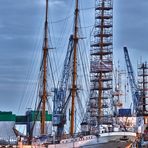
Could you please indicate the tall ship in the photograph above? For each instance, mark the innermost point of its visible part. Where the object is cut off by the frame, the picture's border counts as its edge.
(103, 122)
(97, 126)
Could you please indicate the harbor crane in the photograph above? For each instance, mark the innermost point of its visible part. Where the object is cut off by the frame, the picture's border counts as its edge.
(133, 85)
(60, 98)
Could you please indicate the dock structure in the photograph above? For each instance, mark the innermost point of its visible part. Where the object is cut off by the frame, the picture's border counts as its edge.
(8, 121)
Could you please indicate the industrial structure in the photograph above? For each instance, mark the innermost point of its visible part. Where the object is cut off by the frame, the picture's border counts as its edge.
(133, 84)
(60, 98)
(101, 66)
(8, 122)
(139, 92)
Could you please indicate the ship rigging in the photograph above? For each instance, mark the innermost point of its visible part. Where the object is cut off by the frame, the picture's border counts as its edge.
(98, 120)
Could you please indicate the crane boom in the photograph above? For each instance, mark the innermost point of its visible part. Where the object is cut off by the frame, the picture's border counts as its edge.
(133, 85)
(60, 98)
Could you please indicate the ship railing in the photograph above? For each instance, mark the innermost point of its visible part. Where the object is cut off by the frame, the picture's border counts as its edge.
(75, 135)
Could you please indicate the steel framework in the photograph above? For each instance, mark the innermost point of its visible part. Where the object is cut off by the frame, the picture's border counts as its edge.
(133, 84)
(60, 97)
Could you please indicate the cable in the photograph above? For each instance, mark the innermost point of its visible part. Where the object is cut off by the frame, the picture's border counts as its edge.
(61, 20)
(50, 64)
(29, 74)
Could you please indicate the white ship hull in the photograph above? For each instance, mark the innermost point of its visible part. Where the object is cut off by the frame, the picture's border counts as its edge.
(105, 140)
(92, 141)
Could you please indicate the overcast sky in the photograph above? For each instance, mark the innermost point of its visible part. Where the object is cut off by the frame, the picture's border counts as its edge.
(21, 29)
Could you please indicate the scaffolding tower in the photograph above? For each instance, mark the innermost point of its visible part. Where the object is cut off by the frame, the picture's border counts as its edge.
(101, 66)
(143, 84)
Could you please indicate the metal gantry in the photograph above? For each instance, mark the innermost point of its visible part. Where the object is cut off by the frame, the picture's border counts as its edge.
(60, 95)
(132, 81)
(101, 66)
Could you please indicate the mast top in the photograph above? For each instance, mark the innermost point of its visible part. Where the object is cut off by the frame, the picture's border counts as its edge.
(46, 11)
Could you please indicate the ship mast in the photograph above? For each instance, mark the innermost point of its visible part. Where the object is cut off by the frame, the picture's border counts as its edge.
(101, 74)
(101, 66)
(74, 87)
(45, 53)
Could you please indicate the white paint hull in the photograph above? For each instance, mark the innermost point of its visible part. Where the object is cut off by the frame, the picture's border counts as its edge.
(91, 141)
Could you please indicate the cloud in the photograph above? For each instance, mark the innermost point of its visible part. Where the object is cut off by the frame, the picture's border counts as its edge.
(57, 3)
(130, 26)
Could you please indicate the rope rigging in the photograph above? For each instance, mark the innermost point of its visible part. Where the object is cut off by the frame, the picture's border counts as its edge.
(61, 20)
(53, 69)
(83, 69)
